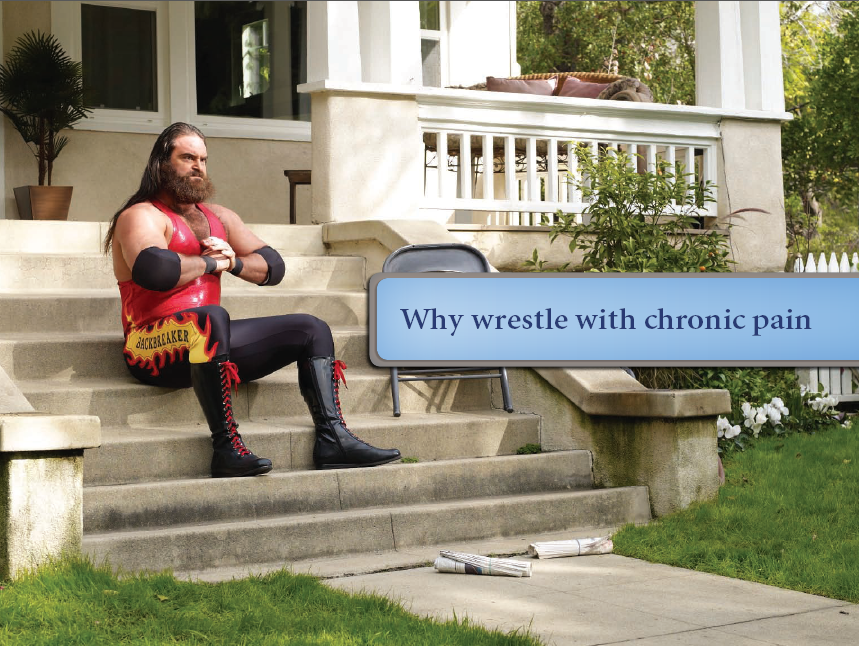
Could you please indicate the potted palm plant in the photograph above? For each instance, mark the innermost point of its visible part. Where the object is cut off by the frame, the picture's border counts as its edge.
(41, 92)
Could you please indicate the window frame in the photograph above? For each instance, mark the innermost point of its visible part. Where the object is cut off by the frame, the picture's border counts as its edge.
(177, 78)
(442, 37)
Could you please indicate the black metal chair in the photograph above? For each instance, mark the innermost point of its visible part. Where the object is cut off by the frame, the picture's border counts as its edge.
(448, 257)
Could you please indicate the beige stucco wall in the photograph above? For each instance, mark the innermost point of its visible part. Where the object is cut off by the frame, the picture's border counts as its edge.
(105, 169)
(750, 176)
(367, 157)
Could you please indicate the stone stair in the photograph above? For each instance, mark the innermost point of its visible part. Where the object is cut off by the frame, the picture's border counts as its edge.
(149, 502)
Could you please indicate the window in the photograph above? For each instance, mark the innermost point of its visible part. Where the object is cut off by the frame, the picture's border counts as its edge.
(229, 67)
(431, 43)
(250, 56)
(118, 56)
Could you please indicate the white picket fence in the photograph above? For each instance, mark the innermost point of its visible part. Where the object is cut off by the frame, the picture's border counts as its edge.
(836, 381)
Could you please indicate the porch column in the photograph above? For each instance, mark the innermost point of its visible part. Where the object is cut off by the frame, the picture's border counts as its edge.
(762, 69)
(333, 48)
(390, 40)
(719, 79)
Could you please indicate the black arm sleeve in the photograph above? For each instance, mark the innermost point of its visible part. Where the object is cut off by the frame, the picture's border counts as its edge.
(157, 269)
(276, 268)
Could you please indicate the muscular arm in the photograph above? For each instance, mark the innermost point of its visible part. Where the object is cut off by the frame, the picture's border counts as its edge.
(244, 242)
(141, 227)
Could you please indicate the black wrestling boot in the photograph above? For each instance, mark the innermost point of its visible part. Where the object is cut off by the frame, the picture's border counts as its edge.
(231, 458)
(336, 446)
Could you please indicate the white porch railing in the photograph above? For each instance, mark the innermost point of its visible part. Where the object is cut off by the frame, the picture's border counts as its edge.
(836, 381)
(498, 160)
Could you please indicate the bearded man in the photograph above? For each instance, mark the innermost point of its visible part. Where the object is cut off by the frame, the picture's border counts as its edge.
(170, 247)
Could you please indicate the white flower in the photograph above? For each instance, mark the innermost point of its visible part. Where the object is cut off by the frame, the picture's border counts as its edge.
(746, 408)
(724, 428)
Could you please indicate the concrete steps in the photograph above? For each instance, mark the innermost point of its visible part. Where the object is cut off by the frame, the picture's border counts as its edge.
(149, 502)
(119, 401)
(69, 356)
(38, 272)
(348, 531)
(152, 505)
(98, 310)
(180, 451)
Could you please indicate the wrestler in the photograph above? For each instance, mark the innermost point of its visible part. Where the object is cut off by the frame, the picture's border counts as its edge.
(170, 247)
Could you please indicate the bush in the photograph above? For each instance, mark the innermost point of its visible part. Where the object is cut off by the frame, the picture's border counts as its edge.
(638, 222)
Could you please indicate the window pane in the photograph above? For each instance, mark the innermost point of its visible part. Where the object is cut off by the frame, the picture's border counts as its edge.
(118, 52)
(429, 16)
(250, 58)
(431, 55)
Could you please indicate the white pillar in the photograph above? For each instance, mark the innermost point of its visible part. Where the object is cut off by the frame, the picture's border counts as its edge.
(333, 48)
(719, 55)
(390, 42)
(762, 67)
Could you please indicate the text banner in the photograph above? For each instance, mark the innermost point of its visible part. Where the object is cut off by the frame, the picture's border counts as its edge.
(591, 319)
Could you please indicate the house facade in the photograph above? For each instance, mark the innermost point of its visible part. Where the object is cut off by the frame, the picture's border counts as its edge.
(371, 97)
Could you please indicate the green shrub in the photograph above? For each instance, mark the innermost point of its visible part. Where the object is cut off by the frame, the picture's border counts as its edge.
(638, 222)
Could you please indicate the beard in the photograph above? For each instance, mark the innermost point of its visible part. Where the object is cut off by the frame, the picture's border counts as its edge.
(186, 190)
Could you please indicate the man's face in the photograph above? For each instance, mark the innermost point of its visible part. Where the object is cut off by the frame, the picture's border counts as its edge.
(185, 176)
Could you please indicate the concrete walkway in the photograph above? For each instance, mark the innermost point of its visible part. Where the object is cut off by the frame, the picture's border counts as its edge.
(587, 600)
(607, 599)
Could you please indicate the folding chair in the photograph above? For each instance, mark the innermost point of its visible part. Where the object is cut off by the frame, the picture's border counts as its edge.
(448, 257)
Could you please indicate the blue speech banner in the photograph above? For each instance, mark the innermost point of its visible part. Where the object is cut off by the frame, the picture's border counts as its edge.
(596, 319)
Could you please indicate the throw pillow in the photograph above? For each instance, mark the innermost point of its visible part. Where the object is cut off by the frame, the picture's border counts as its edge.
(543, 87)
(582, 89)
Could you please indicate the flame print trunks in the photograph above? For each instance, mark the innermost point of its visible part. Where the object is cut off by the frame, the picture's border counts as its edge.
(160, 353)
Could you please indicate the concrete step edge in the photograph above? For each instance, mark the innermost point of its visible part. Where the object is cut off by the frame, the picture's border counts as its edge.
(274, 521)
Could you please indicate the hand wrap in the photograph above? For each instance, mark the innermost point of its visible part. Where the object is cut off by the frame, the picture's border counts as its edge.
(157, 269)
(276, 268)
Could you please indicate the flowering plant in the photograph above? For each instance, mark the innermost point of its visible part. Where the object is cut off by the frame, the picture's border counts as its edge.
(813, 411)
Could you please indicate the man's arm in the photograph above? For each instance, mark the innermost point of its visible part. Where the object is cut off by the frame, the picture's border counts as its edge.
(260, 264)
(142, 238)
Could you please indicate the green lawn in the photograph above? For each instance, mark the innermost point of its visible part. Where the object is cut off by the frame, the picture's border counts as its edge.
(787, 516)
(76, 603)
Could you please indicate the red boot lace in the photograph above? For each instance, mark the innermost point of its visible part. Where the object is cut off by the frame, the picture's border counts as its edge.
(338, 376)
(230, 380)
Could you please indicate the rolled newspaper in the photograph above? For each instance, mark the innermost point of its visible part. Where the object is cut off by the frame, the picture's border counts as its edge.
(574, 547)
(462, 563)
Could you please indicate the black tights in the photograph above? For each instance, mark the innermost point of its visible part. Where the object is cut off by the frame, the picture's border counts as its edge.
(161, 353)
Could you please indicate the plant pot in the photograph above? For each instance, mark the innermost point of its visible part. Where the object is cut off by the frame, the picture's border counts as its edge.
(43, 202)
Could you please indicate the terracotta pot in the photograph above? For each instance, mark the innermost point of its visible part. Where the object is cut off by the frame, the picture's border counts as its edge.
(43, 202)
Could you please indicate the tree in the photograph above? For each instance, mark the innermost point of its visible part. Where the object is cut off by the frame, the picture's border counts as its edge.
(819, 153)
(651, 41)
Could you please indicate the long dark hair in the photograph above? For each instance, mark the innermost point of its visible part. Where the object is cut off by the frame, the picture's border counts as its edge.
(150, 183)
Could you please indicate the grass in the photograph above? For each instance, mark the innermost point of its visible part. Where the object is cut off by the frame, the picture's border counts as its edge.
(787, 516)
(73, 602)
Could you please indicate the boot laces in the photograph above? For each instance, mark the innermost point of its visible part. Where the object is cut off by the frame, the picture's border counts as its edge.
(337, 376)
(230, 380)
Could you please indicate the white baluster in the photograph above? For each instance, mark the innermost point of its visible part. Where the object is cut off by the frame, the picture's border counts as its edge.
(465, 165)
(441, 157)
(533, 183)
(821, 263)
(572, 173)
(632, 151)
(797, 266)
(690, 164)
(651, 158)
(810, 267)
(833, 264)
(854, 265)
(844, 265)
(552, 170)
(510, 188)
(488, 163)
